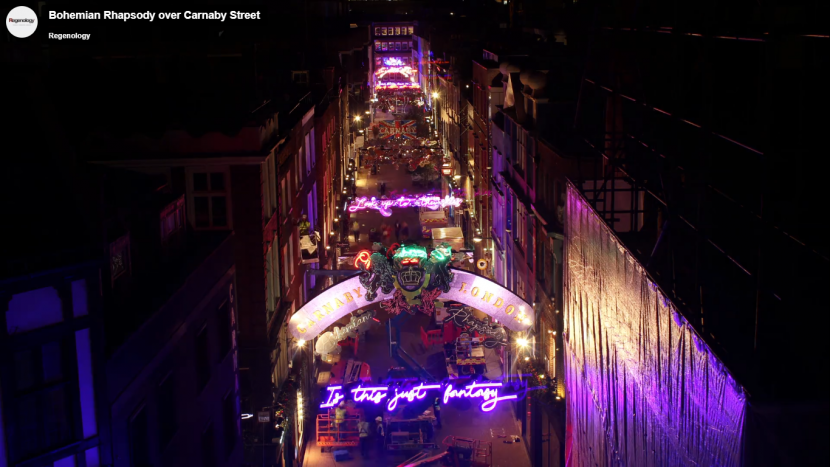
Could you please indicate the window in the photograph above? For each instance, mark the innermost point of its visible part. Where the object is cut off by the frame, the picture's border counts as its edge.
(286, 264)
(167, 412)
(202, 359)
(172, 222)
(19, 317)
(404, 45)
(120, 258)
(230, 425)
(223, 329)
(299, 77)
(299, 159)
(385, 46)
(377, 31)
(273, 281)
(378, 45)
(269, 187)
(44, 393)
(398, 31)
(284, 197)
(207, 444)
(139, 439)
(309, 151)
(530, 161)
(210, 200)
(411, 30)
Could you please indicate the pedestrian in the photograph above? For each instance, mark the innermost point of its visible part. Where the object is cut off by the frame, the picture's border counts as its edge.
(339, 418)
(356, 230)
(405, 231)
(397, 230)
(380, 434)
(436, 407)
(382, 188)
(363, 429)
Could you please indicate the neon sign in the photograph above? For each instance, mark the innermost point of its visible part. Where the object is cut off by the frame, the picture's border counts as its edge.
(418, 392)
(351, 295)
(371, 394)
(335, 397)
(392, 61)
(488, 391)
(385, 205)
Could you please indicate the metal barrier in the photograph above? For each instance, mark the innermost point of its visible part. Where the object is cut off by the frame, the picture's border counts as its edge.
(330, 435)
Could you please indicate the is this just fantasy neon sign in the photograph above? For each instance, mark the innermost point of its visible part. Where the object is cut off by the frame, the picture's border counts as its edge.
(488, 392)
(385, 205)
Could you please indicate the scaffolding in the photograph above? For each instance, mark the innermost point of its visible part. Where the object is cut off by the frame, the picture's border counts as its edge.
(697, 179)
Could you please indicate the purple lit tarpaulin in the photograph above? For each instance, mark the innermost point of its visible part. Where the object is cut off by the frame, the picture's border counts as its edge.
(642, 388)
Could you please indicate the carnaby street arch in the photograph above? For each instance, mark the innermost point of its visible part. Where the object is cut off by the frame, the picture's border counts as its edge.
(465, 287)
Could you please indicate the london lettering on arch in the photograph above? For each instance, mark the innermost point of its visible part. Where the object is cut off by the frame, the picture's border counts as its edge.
(407, 278)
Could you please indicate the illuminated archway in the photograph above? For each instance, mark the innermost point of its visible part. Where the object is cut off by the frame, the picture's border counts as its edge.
(467, 288)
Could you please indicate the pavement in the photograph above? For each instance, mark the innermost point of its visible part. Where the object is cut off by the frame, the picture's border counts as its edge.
(459, 418)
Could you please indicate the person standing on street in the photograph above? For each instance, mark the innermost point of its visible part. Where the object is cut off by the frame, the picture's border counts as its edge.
(356, 230)
(436, 407)
(397, 231)
(339, 418)
(363, 429)
(380, 434)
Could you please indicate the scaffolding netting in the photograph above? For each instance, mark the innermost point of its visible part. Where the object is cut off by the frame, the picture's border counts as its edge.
(642, 388)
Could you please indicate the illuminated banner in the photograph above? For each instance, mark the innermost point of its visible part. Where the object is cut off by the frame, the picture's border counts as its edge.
(385, 205)
(465, 287)
(490, 393)
(390, 128)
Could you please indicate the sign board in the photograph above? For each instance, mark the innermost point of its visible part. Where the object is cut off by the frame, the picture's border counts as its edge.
(263, 416)
(409, 278)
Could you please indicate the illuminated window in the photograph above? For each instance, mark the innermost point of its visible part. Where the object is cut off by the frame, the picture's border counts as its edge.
(398, 31)
(383, 31)
(377, 31)
(384, 46)
(411, 30)
(377, 46)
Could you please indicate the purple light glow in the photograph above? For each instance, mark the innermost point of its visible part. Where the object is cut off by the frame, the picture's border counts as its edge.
(677, 404)
(418, 392)
(372, 394)
(376, 394)
(385, 205)
(334, 397)
(489, 392)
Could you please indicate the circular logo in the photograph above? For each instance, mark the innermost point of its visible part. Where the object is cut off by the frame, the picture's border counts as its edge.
(21, 22)
(481, 264)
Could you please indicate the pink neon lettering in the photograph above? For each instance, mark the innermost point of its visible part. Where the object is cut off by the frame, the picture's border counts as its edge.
(373, 394)
(488, 391)
(334, 397)
(384, 206)
(418, 392)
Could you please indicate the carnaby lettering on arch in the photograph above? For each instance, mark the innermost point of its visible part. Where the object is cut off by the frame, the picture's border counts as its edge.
(466, 287)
